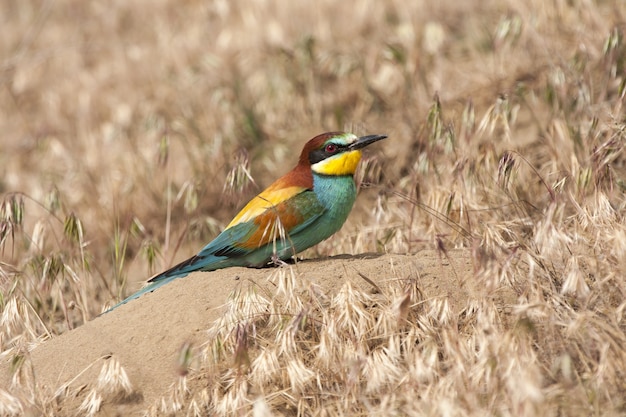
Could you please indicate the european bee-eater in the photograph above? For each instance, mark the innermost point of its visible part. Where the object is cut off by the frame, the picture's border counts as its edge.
(299, 210)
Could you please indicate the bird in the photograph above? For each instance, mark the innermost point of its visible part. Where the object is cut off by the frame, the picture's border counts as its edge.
(300, 209)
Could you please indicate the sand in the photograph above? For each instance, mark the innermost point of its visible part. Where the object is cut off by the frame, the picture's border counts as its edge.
(146, 335)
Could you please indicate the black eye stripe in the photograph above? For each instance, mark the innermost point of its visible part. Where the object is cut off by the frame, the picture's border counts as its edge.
(318, 155)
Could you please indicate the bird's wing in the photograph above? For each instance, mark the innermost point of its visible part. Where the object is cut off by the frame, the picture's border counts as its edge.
(274, 214)
(269, 198)
(271, 216)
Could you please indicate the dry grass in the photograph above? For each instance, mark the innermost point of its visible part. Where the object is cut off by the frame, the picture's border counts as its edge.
(122, 122)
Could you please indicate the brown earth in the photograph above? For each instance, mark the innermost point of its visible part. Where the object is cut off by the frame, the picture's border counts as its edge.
(146, 335)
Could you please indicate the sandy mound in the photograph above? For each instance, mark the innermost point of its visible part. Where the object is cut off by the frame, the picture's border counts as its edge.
(146, 335)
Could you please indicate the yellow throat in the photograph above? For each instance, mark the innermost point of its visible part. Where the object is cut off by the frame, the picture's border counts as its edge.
(344, 163)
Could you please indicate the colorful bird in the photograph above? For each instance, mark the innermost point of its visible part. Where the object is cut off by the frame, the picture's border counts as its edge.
(299, 210)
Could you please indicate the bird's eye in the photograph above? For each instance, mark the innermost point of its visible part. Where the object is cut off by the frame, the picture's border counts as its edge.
(331, 148)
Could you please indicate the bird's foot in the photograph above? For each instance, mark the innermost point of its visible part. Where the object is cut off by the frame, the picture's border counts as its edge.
(275, 260)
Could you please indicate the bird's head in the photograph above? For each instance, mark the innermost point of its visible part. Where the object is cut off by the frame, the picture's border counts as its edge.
(335, 153)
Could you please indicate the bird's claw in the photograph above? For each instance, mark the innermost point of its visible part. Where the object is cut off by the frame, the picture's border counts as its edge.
(277, 261)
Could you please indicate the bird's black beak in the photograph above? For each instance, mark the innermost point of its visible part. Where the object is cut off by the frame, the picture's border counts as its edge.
(363, 141)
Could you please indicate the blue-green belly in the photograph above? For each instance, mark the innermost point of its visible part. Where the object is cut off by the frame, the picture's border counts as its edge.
(337, 195)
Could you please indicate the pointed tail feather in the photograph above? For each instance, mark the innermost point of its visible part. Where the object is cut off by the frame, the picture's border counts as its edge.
(180, 270)
(195, 263)
(148, 288)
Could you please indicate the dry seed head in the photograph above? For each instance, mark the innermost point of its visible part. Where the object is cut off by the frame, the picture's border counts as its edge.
(349, 312)
(176, 400)
(113, 380)
(505, 169)
(163, 152)
(10, 405)
(239, 177)
(524, 383)
(12, 210)
(92, 403)
(241, 359)
(245, 304)
(574, 283)
(17, 324)
(421, 367)
(287, 284)
(440, 311)
(402, 306)
(190, 202)
(73, 229)
(195, 409)
(327, 351)
(261, 409)
(549, 237)
(265, 366)
(382, 369)
(38, 237)
(369, 172)
(11, 318)
(468, 121)
(244, 309)
(300, 377)
(185, 356)
(234, 400)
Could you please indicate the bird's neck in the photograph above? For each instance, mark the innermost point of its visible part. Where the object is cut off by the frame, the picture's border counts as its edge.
(336, 192)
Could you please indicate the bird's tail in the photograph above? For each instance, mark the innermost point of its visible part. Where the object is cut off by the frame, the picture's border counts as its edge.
(177, 271)
(195, 263)
(148, 288)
